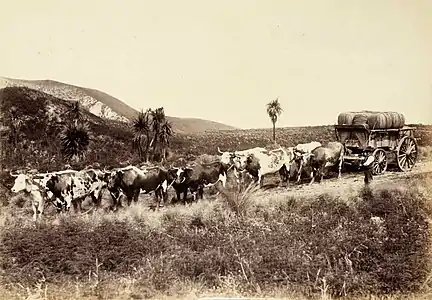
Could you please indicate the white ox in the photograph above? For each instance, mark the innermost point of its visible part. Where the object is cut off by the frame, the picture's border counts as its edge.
(264, 162)
(232, 158)
(32, 190)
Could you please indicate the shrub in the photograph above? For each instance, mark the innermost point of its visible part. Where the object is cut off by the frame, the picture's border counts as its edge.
(375, 242)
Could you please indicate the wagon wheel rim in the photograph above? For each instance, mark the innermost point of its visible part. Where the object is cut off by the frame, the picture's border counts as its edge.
(380, 164)
(407, 154)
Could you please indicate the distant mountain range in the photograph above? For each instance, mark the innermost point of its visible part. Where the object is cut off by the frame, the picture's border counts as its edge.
(107, 106)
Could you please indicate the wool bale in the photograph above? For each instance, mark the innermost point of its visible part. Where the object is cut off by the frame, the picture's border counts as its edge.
(374, 119)
(398, 120)
(360, 118)
(380, 120)
(346, 118)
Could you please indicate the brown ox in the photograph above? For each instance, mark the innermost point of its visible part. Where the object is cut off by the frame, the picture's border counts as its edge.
(326, 156)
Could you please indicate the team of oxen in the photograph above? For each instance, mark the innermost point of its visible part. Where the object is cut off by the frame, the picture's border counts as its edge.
(70, 187)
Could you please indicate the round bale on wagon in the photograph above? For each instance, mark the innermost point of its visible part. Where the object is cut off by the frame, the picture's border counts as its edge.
(374, 119)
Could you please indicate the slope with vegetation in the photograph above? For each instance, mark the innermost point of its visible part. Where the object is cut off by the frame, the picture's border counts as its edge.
(106, 106)
(32, 125)
(377, 241)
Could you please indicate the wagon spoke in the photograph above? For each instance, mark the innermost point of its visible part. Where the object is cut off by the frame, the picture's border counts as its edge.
(410, 148)
(410, 161)
(402, 161)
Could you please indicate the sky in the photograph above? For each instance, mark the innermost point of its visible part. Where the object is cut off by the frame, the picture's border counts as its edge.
(224, 60)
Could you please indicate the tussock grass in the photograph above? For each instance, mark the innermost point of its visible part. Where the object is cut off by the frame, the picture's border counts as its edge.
(425, 153)
(373, 241)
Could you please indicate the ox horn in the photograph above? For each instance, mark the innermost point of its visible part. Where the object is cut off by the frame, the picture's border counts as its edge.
(219, 150)
(13, 175)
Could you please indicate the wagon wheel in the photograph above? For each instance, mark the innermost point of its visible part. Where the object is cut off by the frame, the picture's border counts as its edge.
(406, 153)
(380, 164)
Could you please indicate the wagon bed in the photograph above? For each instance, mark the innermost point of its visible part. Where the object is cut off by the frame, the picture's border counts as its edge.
(389, 146)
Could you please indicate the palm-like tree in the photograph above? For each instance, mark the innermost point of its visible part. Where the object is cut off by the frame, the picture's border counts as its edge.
(75, 111)
(164, 135)
(141, 127)
(75, 140)
(158, 117)
(274, 110)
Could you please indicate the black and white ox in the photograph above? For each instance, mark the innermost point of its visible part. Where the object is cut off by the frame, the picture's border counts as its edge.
(201, 175)
(131, 180)
(73, 187)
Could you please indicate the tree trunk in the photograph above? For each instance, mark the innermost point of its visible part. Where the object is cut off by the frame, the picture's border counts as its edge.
(164, 153)
(274, 132)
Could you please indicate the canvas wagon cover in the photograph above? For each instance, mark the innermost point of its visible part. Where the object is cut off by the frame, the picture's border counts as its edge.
(360, 135)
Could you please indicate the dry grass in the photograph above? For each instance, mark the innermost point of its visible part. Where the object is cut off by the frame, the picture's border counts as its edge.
(281, 247)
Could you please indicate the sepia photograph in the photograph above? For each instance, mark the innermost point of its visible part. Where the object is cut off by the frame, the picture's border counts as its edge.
(216, 150)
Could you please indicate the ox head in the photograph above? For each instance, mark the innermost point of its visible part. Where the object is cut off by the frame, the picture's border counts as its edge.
(240, 162)
(184, 175)
(175, 175)
(227, 158)
(22, 183)
(115, 180)
(52, 181)
(105, 175)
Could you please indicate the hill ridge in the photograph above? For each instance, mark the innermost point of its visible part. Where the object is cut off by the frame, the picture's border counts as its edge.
(106, 106)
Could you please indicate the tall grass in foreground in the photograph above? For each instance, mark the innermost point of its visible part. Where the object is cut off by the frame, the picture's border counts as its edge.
(373, 242)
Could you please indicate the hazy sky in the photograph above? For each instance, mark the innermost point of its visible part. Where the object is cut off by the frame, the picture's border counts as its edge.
(223, 60)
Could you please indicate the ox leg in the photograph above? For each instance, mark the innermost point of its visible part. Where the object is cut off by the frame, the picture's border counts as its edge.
(322, 175)
(340, 168)
(58, 205)
(259, 178)
(201, 192)
(68, 202)
(75, 205)
(299, 172)
(185, 195)
(130, 196)
(164, 197)
(136, 195)
(312, 176)
(34, 206)
(40, 208)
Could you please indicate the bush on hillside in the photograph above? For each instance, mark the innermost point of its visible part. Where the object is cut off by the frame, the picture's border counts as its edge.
(378, 242)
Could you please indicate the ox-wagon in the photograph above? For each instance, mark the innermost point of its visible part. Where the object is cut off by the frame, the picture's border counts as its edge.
(396, 146)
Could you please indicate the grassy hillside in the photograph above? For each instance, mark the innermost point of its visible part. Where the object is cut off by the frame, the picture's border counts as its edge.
(41, 117)
(376, 242)
(107, 106)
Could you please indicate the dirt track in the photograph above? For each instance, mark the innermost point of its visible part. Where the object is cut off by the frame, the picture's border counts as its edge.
(348, 182)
